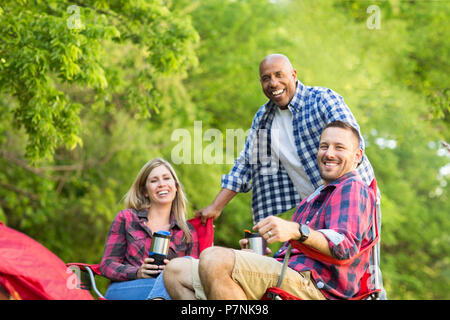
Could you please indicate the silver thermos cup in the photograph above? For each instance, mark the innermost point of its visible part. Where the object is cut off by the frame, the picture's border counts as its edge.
(256, 242)
(159, 248)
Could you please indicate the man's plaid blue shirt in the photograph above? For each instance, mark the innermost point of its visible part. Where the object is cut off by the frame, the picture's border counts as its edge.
(273, 191)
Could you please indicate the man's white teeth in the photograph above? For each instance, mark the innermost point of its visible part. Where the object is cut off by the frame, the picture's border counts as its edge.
(275, 93)
(331, 164)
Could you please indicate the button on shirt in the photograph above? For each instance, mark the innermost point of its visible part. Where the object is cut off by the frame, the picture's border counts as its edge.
(128, 244)
(273, 191)
(343, 212)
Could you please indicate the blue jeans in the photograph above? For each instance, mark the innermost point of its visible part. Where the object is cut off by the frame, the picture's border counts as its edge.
(140, 289)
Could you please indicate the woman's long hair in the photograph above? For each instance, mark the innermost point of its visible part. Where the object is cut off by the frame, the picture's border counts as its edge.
(136, 198)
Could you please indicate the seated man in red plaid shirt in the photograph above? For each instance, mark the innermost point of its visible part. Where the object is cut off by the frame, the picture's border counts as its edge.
(336, 220)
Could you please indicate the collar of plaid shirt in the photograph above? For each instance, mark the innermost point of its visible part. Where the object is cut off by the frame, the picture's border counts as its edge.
(142, 215)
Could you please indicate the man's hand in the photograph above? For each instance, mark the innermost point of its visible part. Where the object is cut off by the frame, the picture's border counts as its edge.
(215, 209)
(276, 229)
(208, 212)
(283, 230)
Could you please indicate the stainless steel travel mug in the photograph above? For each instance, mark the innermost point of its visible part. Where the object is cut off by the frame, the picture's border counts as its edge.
(256, 242)
(159, 248)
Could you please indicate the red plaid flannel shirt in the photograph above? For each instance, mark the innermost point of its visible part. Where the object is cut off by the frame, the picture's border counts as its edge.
(343, 211)
(128, 244)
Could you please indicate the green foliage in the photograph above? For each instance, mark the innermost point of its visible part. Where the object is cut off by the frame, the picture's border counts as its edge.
(424, 66)
(237, 34)
(88, 97)
(48, 44)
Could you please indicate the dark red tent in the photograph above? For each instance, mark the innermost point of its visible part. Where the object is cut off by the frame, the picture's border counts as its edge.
(29, 271)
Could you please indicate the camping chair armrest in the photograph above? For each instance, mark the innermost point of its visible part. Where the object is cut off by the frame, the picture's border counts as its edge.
(95, 268)
(92, 270)
(318, 255)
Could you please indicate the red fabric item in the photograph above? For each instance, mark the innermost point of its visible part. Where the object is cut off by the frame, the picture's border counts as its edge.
(29, 271)
(205, 232)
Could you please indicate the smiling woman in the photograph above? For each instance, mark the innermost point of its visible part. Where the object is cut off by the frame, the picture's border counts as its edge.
(155, 202)
(155, 176)
(161, 187)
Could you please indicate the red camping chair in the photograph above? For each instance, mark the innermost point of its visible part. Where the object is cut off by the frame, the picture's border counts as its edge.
(29, 271)
(87, 280)
(275, 293)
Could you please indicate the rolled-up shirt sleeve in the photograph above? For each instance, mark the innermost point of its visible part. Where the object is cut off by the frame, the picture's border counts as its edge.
(348, 220)
(238, 180)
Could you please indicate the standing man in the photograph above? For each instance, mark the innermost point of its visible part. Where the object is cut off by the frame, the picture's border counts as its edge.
(286, 129)
(335, 220)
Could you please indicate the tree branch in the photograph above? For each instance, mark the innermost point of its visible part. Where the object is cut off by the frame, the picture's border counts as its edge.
(28, 194)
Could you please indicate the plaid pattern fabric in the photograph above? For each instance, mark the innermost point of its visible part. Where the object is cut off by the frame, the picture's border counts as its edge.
(273, 191)
(128, 244)
(342, 211)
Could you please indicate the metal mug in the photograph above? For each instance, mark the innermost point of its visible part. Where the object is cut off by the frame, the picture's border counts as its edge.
(256, 242)
(159, 248)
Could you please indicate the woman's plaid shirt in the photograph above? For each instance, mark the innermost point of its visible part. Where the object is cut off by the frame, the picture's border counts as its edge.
(343, 211)
(128, 244)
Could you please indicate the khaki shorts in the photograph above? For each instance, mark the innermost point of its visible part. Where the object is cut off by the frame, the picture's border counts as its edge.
(256, 273)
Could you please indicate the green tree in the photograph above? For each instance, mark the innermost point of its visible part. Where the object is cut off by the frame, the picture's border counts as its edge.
(364, 66)
(424, 66)
(78, 85)
(84, 103)
(48, 45)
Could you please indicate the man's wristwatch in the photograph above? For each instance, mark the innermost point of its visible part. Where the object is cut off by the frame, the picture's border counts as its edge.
(304, 232)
